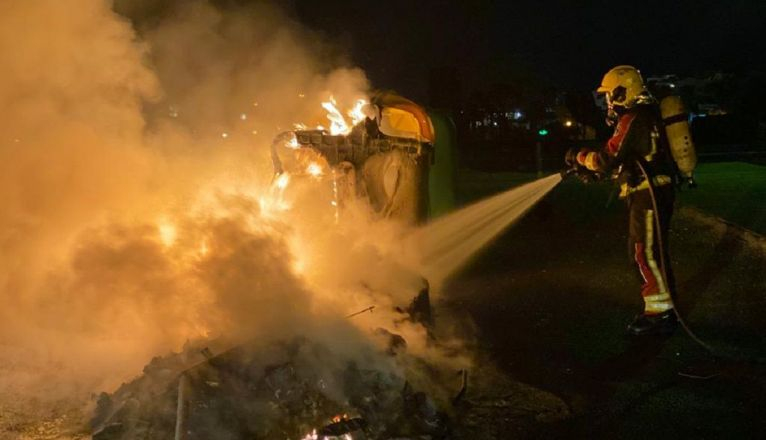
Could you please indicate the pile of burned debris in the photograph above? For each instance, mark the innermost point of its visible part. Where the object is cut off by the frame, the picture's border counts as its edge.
(301, 389)
(292, 390)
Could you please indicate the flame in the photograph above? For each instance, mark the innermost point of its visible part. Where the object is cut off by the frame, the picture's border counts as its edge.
(338, 124)
(293, 142)
(357, 114)
(314, 169)
(334, 201)
(312, 436)
(340, 417)
(282, 181)
(274, 202)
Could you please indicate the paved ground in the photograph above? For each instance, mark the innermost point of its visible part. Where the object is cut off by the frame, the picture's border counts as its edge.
(552, 296)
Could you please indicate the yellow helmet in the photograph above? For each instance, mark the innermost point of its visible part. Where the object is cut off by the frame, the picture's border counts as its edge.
(623, 85)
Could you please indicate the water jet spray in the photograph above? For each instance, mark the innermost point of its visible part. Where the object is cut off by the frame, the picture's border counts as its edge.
(447, 244)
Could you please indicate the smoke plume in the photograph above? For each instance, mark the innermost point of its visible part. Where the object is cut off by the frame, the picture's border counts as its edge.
(138, 211)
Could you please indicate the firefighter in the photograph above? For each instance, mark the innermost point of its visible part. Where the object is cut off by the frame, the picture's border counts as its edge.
(638, 142)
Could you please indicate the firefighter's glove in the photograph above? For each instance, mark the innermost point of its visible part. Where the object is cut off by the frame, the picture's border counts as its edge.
(582, 174)
(587, 176)
(576, 157)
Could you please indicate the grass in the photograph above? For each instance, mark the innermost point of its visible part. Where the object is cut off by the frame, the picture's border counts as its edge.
(734, 191)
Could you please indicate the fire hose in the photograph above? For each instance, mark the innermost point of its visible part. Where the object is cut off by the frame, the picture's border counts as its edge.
(663, 267)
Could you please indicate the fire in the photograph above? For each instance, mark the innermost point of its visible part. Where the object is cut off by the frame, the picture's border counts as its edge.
(338, 124)
(314, 169)
(357, 113)
(339, 417)
(334, 201)
(274, 201)
(293, 142)
(336, 419)
(312, 436)
(282, 181)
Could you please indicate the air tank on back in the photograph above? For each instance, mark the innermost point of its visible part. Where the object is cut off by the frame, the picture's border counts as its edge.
(676, 122)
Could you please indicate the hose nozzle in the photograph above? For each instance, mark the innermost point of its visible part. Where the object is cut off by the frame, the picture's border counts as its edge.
(581, 173)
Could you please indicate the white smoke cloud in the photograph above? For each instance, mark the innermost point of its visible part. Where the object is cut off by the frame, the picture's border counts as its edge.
(132, 174)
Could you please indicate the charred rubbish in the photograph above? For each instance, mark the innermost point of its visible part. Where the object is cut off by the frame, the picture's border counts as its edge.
(294, 390)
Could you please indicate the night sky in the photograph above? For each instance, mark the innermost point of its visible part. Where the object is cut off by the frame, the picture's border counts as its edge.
(562, 44)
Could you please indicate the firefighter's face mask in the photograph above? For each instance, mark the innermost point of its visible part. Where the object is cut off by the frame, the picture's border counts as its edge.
(611, 114)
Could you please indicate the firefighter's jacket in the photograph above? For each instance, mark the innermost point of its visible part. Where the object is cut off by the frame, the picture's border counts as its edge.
(638, 136)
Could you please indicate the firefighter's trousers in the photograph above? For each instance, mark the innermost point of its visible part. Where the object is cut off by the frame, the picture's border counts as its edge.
(644, 246)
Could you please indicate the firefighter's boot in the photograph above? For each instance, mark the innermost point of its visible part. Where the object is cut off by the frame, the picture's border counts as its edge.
(654, 324)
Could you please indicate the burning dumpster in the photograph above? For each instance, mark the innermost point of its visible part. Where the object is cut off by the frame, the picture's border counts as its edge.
(383, 156)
